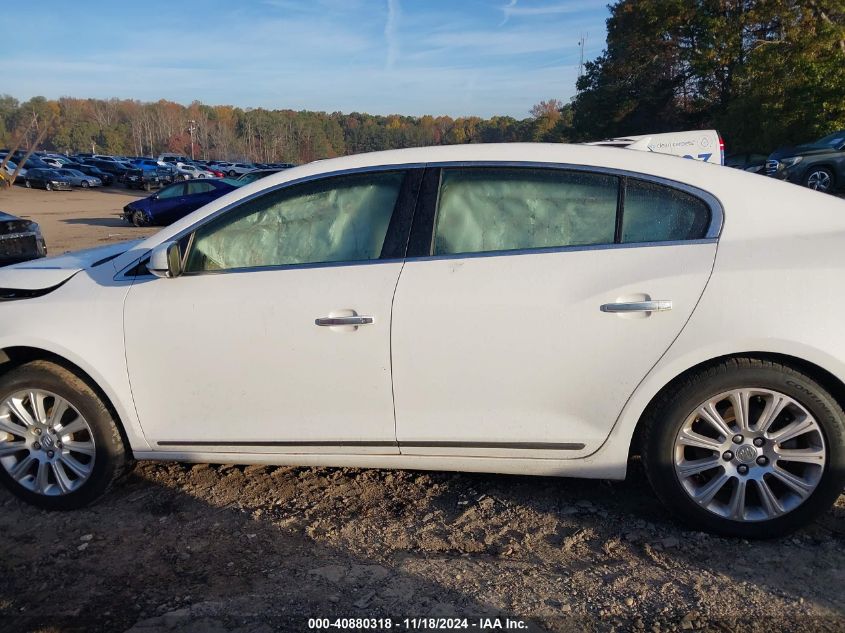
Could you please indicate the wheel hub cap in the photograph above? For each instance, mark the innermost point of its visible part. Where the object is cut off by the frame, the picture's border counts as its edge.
(746, 454)
(750, 454)
(46, 445)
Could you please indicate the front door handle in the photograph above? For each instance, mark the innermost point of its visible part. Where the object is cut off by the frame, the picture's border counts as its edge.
(331, 321)
(660, 305)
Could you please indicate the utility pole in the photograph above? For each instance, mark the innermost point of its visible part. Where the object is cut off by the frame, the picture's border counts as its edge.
(582, 41)
(192, 126)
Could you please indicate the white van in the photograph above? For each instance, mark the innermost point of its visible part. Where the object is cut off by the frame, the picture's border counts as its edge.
(703, 145)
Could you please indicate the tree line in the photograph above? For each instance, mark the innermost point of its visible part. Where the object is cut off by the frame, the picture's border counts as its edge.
(763, 72)
(128, 127)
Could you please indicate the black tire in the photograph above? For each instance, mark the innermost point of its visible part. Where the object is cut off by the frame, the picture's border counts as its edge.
(139, 218)
(668, 414)
(232, 173)
(28, 184)
(48, 186)
(84, 184)
(817, 175)
(111, 459)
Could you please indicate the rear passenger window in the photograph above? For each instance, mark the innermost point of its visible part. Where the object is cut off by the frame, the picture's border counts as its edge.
(656, 213)
(199, 187)
(501, 209)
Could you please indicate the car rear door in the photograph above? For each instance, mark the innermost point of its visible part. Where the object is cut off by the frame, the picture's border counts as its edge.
(544, 297)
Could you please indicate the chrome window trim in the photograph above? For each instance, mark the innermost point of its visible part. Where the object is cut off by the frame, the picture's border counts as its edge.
(712, 235)
(564, 249)
(717, 214)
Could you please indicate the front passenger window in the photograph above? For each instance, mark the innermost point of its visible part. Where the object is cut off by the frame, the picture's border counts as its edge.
(341, 219)
(172, 192)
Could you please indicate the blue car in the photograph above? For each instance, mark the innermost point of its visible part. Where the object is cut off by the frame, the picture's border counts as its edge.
(176, 201)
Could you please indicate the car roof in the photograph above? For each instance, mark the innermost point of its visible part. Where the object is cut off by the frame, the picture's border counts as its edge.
(652, 163)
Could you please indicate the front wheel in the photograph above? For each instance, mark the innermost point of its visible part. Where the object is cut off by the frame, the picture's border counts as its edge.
(746, 448)
(139, 218)
(820, 179)
(48, 187)
(28, 184)
(60, 447)
(85, 184)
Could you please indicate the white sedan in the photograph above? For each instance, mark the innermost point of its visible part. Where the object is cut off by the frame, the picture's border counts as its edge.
(521, 308)
(183, 170)
(237, 169)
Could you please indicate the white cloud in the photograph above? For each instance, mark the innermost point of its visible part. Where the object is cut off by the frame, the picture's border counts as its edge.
(506, 11)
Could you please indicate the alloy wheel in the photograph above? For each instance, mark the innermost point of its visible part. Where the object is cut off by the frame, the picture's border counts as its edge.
(46, 445)
(819, 180)
(750, 454)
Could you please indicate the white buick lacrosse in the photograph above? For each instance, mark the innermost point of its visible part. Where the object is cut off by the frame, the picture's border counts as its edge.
(532, 309)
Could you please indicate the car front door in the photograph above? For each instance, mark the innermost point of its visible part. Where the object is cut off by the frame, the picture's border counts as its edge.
(277, 336)
(169, 203)
(543, 299)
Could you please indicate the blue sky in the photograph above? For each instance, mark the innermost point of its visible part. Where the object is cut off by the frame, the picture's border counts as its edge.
(458, 57)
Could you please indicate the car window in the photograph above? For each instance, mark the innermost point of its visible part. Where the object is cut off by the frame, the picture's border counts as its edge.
(172, 192)
(657, 213)
(340, 219)
(199, 187)
(501, 209)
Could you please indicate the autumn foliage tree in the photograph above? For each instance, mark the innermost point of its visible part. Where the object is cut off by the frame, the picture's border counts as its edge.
(764, 72)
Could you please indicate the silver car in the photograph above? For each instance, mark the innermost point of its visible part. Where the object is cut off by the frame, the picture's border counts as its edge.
(78, 179)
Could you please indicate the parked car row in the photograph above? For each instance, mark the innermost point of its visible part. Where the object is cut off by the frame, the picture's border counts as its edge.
(133, 172)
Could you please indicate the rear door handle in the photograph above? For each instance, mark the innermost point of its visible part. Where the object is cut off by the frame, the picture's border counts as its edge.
(343, 320)
(660, 305)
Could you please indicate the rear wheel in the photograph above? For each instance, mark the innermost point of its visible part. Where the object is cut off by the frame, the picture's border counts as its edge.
(60, 447)
(232, 173)
(820, 179)
(746, 448)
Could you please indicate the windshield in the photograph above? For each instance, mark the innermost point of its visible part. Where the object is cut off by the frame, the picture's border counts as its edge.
(248, 178)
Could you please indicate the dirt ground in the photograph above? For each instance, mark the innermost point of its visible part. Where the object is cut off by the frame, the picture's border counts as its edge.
(223, 548)
(71, 220)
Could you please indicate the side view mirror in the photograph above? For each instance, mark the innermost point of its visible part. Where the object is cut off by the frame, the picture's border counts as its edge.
(166, 260)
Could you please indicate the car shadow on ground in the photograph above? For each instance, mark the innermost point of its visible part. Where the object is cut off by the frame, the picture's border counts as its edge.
(115, 221)
(123, 191)
(615, 539)
(157, 556)
(227, 548)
